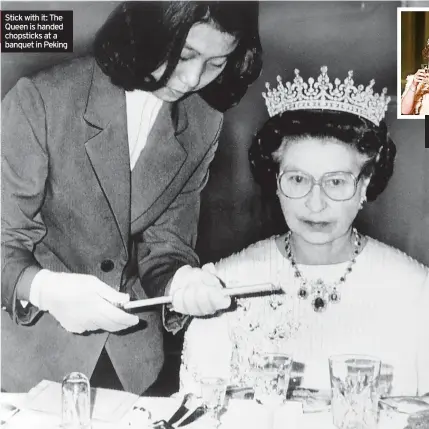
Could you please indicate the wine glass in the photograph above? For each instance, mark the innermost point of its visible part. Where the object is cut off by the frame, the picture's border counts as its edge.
(270, 374)
(213, 391)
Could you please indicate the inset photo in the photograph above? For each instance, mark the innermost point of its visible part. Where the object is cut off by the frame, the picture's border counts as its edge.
(413, 62)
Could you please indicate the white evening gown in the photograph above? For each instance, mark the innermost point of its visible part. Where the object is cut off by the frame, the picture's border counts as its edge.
(383, 311)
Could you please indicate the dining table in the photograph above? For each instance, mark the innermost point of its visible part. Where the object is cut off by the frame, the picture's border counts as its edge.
(112, 409)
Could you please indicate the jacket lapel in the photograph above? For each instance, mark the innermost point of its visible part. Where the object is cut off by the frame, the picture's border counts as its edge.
(160, 160)
(107, 146)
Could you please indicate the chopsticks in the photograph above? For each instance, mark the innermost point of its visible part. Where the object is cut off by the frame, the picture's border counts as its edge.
(233, 291)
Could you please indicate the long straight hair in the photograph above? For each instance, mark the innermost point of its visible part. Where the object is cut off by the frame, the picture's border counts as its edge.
(140, 36)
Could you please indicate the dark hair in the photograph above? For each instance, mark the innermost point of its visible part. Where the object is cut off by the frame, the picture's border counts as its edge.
(140, 36)
(358, 132)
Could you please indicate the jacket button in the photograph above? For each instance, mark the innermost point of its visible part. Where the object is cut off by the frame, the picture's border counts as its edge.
(107, 265)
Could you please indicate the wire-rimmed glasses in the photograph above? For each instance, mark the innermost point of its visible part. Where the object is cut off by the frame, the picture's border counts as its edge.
(338, 185)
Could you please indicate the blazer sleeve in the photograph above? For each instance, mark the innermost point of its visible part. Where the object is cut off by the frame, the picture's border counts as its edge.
(169, 243)
(24, 172)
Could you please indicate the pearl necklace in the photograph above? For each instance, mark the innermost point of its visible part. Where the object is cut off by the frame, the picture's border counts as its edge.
(320, 292)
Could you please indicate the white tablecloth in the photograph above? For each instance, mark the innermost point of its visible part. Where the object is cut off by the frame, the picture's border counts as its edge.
(245, 414)
(41, 408)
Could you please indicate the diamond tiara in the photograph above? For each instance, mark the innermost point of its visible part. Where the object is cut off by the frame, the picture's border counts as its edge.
(323, 94)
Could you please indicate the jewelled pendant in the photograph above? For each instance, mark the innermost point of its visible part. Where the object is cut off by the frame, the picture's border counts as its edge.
(320, 293)
(334, 296)
(319, 304)
(303, 293)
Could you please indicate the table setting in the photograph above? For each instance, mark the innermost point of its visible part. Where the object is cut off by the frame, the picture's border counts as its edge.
(353, 402)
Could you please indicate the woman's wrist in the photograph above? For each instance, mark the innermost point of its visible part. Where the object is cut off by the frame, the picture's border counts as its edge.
(413, 88)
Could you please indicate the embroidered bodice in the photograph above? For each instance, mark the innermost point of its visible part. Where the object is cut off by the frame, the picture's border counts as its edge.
(378, 314)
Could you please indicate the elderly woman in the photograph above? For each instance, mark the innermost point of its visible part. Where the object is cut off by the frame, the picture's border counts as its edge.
(415, 98)
(342, 292)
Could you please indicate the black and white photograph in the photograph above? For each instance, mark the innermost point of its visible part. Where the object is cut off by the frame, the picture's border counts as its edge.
(215, 214)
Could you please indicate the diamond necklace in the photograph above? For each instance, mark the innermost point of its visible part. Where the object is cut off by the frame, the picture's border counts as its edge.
(320, 292)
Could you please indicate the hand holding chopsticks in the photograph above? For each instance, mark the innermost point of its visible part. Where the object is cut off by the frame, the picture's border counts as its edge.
(233, 291)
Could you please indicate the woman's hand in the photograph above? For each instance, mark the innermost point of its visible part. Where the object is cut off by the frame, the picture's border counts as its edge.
(408, 98)
(83, 302)
(197, 291)
(421, 75)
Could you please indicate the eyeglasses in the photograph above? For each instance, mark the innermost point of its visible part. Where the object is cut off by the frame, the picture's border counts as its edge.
(338, 186)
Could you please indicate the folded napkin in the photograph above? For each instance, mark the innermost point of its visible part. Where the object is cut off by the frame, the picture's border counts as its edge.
(41, 407)
(7, 411)
(107, 405)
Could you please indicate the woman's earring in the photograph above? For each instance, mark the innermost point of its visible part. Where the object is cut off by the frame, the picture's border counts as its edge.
(362, 201)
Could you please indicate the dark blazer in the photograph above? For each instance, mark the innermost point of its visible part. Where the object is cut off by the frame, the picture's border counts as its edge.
(71, 204)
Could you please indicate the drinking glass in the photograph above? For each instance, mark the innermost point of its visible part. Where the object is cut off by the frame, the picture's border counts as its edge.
(213, 390)
(270, 374)
(354, 385)
(385, 380)
(76, 402)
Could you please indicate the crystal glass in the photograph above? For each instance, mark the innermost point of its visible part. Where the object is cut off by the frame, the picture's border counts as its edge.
(354, 385)
(76, 402)
(270, 375)
(213, 390)
(385, 380)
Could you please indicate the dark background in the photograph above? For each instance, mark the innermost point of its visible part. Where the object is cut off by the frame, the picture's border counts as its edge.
(414, 36)
(359, 36)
